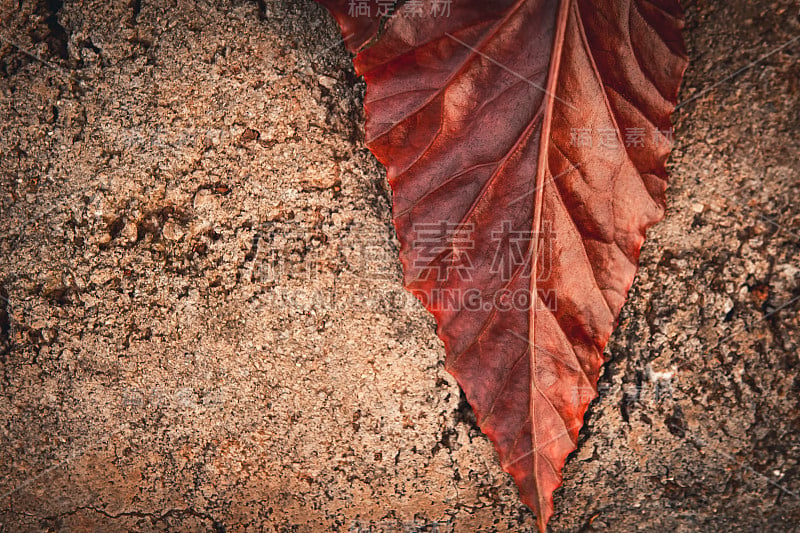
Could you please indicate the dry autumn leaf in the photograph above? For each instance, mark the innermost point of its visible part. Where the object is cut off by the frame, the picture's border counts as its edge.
(525, 142)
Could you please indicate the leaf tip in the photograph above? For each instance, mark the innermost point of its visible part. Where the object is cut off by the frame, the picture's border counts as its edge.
(541, 522)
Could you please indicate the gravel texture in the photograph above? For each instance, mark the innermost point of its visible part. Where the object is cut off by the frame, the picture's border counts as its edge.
(202, 323)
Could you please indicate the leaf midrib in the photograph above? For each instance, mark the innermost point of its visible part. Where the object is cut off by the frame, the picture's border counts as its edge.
(541, 171)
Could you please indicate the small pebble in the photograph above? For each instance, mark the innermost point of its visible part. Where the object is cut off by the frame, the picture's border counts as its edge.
(327, 82)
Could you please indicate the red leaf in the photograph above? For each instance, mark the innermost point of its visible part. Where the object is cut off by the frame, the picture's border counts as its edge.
(523, 137)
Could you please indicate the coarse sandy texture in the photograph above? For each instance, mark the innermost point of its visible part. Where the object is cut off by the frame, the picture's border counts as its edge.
(202, 323)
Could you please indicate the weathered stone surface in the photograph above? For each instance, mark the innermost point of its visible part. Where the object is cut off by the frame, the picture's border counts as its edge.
(202, 324)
